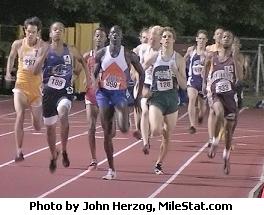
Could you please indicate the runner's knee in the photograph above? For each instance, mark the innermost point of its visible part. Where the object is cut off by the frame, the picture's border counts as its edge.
(63, 108)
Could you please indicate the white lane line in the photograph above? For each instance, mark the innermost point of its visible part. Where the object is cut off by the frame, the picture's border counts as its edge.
(42, 149)
(172, 178)
(87, 171)
(26, 128)
(187, 163)
(255, 191)
(7, 114)
(6, 100)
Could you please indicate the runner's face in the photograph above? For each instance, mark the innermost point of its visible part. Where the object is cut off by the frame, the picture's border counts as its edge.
(57, 31)
(31, 33)
(115, 35)
(201, 40)
(167, 39)
(227, 39)
(154, 37)
(99, 38)
(236, 43)
(144, 37)
(218, 35)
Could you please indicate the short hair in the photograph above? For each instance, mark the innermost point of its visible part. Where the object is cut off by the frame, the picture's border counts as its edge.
(170, 29)
(202, 31)
(117, 27)
(56, 23)
(219, 27)
(100, 29)
(33, 21)
(143, 30)
(157, 28)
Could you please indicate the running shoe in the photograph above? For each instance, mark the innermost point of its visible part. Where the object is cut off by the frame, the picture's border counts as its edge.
(53, 164)
(213, 148)
(93, 165)
(110, 175)
(19, 157)
(192, 130)
(146, 149)
(158, 169)
(65, 159)
(226, 157)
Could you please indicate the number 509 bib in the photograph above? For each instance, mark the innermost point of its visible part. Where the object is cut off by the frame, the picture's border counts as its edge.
(56, 82)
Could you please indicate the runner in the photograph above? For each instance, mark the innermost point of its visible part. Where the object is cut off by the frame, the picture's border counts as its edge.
(168, 73)
(112, 68)
(244, 62)
(139, 50)
(195, 57)
(148, 50)
(58, 91)
(226, 72)
(31, 52)
(90, 100)
(217, 46)
(143, 36)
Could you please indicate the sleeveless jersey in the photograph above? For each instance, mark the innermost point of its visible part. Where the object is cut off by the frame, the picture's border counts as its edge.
(222, 77)
(57, 71)
(25, 65)
(163, 78)
(115, 74)
(195, 68)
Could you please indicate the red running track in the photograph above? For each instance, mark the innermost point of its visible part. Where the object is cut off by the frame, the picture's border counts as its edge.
(189, 172)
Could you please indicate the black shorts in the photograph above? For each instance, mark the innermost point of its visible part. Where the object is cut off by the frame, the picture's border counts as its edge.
(228, 101)
(50, 101)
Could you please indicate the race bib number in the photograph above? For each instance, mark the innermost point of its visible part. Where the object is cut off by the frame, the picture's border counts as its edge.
(164, 85)
(111, 85)
(56, 82)
(197, 70)
(223, 86)
(28, 62)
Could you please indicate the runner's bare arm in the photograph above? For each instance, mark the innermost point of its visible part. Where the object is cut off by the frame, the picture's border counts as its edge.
(150, 60)
(97, 66)
(11, 58)
(136, 64)
(181, 74)
(43, 52)
(188, 52)
(77, 55)
(238, 66)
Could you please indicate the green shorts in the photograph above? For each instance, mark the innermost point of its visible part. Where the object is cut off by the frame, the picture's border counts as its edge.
(166, 101)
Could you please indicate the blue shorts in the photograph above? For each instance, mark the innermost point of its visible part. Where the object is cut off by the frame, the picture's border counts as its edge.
(108, 98)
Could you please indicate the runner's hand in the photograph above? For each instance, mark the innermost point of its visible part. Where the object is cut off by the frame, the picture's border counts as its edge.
(8, 77)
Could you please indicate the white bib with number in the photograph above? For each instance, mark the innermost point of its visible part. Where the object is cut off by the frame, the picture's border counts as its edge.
(197, 70)
(164, 85)
(111, 85)
(223, 86)
(28, 62)
(56, 82)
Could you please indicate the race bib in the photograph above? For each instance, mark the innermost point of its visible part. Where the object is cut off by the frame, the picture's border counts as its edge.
(223, 86)
(56, 82)
(197, 70)
(28, 62)
(164, 85)
(111, 85)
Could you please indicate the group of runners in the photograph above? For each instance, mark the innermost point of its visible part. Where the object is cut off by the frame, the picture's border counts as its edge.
(146, 79)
